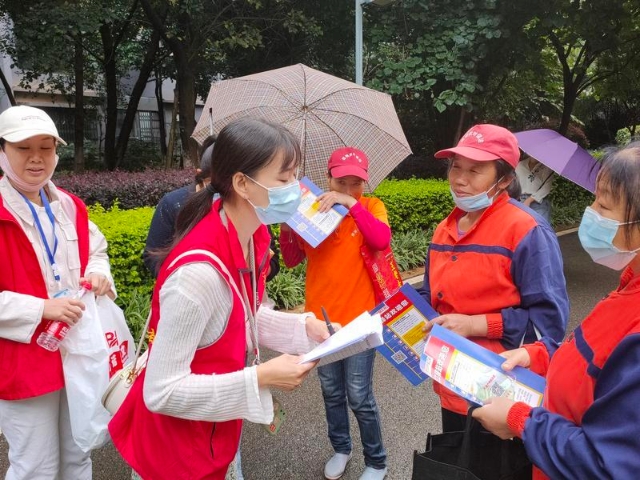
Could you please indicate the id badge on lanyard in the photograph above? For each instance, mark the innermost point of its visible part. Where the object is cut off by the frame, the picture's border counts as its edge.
(51, 253)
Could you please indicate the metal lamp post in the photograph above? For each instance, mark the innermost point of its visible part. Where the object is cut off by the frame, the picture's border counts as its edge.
(358, 52)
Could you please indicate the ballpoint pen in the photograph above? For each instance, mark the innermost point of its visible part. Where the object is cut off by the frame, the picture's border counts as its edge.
(326, 320)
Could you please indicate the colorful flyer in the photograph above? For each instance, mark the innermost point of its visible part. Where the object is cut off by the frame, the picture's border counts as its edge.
(403, 316)
(308, 222)
(474, 372)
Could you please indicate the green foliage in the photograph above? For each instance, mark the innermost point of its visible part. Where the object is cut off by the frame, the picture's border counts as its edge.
(415, 204)
(568, 202)
(126, 233)
(415, 208)
(410, 248)
(136, 310)
(141, 155)
(623, 136)
(287, 288)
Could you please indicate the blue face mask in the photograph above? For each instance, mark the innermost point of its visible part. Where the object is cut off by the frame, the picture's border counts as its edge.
(283, 203)
(596, 235)
(474, 202)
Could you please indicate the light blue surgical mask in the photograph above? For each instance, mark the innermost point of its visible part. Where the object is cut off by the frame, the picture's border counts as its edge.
(474, 202)
(283, 202)
(596, 235)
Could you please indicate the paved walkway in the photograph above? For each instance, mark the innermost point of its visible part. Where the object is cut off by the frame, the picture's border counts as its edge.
(408, 413)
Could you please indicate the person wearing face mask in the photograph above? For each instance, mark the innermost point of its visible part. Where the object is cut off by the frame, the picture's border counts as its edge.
(588, 424)
(338, 281)
(494, 268)
(48, 246)
(184, 413)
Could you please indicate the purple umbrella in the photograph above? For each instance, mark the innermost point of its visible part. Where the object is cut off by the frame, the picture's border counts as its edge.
(561, 155)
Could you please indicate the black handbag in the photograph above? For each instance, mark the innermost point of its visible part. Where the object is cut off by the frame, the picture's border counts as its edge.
(473, 454)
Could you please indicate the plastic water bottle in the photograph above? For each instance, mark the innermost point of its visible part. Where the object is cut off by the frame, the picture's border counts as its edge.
(55, 330)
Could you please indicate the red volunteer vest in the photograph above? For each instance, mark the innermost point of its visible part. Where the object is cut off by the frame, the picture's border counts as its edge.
(162, 447)
(26, 369)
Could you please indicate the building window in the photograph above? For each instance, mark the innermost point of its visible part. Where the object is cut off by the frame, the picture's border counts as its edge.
(147, 127)
(65, 121)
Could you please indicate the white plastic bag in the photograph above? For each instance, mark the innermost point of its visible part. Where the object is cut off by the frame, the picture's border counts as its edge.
(117, 335)
(86, 376)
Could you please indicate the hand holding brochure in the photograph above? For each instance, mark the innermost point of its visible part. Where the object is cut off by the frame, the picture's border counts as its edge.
(362, 333)
(308, 222)
(474, 372)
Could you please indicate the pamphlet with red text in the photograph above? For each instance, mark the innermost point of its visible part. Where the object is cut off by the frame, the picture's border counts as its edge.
(403, 315)
(474, 372)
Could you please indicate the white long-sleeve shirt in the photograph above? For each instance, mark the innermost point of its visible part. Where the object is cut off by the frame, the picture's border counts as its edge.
(195, 305)
(20, 314)
(536, 181)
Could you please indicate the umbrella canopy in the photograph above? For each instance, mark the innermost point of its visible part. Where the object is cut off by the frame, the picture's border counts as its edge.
(324, 112)
(561, 155)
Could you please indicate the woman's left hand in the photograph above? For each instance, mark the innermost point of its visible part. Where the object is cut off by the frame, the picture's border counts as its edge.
(329, 199)
(317, 329)
(464, 325)
(493, 416)
(100, 285)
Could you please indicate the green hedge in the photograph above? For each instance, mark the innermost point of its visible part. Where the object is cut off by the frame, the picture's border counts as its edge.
(568, 202)
(126, 234)
(415, 204)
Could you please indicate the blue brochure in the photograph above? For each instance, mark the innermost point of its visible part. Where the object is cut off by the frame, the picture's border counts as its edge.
(474, 372)
(403, 316)
(314, 227)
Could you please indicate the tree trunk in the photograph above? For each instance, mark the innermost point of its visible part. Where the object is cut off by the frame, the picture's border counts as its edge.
(186, 83)
(184, 54)
(168, 159)
(160, 100)
(568, 101)
(111, 82)
(134, 98)
(78, 140)
(7, 88)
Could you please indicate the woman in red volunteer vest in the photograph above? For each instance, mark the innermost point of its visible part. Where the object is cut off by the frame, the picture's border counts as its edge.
(48, 246)
(589, 423)
(494, 268)
(183, 416)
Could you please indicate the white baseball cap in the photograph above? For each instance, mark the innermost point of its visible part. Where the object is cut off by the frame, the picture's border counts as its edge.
(22, 122)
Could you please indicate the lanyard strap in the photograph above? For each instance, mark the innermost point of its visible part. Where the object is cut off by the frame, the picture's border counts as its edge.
(47, 208)
(251, 307)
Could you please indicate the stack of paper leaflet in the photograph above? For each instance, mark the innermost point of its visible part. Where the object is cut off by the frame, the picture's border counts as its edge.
(362, 333)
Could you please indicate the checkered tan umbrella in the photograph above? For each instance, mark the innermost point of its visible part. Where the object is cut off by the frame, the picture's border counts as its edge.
(324, 112)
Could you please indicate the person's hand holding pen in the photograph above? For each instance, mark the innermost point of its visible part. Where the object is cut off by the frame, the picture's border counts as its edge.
(318, 330)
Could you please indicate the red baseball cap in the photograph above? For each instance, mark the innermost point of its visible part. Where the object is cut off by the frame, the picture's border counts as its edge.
(484, 143)
(349, 161)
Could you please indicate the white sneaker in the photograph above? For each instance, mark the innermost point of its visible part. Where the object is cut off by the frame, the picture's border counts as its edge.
(334, 468)
(371, 473)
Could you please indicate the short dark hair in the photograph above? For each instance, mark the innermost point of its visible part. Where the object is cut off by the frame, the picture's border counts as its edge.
(620, 173)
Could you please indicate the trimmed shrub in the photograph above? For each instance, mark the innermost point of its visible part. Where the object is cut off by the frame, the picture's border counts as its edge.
(415, 208)
(568, 202)
(126, 233)
(415, 204)
(130, 189)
